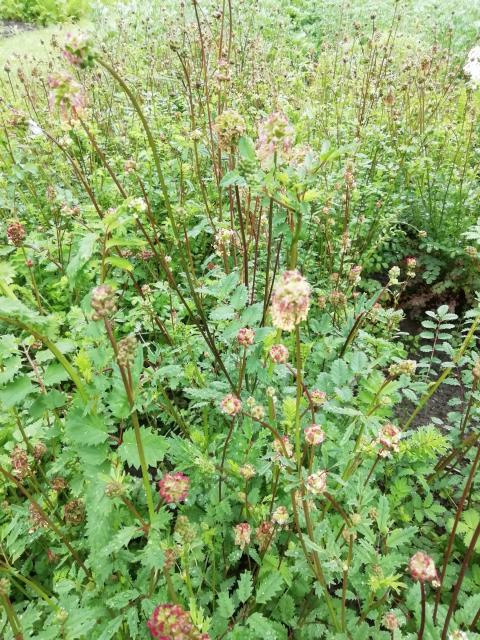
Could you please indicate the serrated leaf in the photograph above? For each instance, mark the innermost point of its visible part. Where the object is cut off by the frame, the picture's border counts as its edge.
(245, 586)
(86, 430)
(14, 392)
(225, 606)
(154, 446)
(268, 588)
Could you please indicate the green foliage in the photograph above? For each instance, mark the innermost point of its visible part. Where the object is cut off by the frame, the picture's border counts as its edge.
(207, 394)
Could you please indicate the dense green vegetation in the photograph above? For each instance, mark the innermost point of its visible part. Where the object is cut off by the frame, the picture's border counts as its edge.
(214, 422)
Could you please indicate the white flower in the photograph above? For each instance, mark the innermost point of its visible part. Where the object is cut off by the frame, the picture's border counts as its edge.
(472, 67)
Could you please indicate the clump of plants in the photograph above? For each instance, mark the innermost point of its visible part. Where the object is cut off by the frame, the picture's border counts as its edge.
(201, 383)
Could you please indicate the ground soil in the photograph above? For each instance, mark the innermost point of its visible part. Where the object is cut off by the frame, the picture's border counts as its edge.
(10, 28)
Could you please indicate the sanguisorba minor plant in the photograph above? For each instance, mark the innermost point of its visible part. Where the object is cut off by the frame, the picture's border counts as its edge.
(198, 388)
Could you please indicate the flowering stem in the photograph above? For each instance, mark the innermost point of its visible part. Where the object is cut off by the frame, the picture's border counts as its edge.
(224, 455)
(298, 353)
(458, 584)
(451, 538)
(135, 421)
(422, 618)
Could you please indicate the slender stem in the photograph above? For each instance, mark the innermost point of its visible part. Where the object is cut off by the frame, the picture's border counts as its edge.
(422, 618)
(136, 424)
(458, 584)
(298, 353)
(451, 538)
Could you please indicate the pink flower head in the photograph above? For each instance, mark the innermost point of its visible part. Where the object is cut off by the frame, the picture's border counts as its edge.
(231, 405)
(314, 434)
(78, 50)
(173, 487)
(279, 353)
(422, 568)
(245, 336)
(171, 622)
(318, 397)
(264, 533)
(390, 621)
(290, 301)
(389, 437)
(317, 482)
(243, 533)
(66, 94)
(16, 233)
(275, 140)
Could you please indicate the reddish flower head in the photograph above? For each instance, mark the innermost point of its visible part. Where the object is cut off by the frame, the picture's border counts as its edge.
(317, 482)
(314, 434)
(422, 567)
(171, 622)
(173, 487)
(245, 336)
(231, 405)
(279, 353)
(243, 533)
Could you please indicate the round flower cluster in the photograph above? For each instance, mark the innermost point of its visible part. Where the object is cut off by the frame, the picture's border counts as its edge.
(66, 94)
(390, 621)
(354, 275)
(37, 519)
(16, 233)
(290, 301)
(279, 353)
(411, 266)
(20, 463)
(103, 301)
(230, 126)
(314, 435)
(393, 275)
(225, 239)
(126, 351)
(318, 397)
(39, 450)
(407, 367)
(389, 437)
(231, 405)
(247, 471)
(78, 50)
(275, 140)
(245, 336)
(458, 635)
(258, 412)
(173, 487)
(242, 534)
(74, 512)
(280, 516)
(337, 298)
(264, 533)
(422, 568)
(171, 622)
(317, 482)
